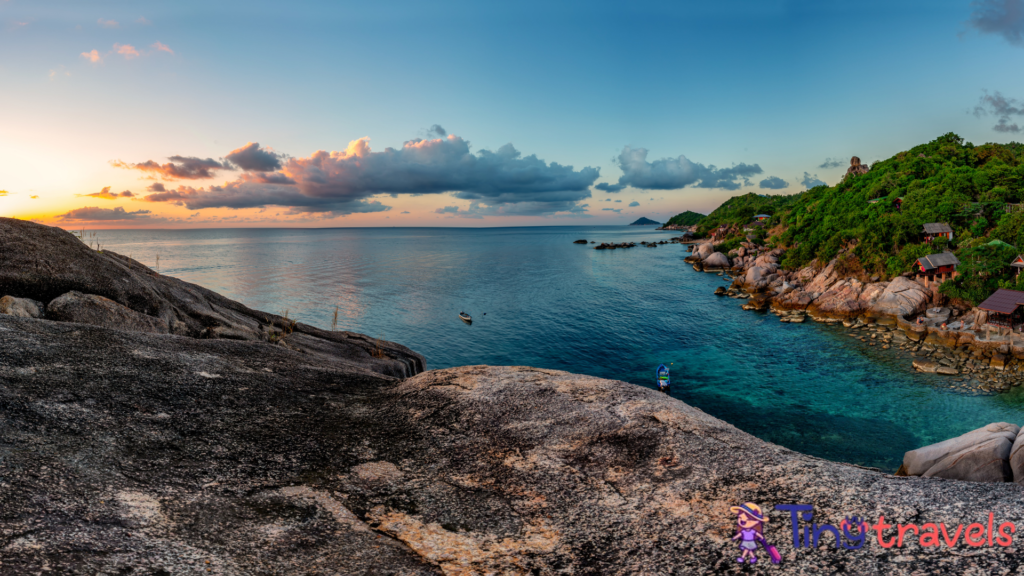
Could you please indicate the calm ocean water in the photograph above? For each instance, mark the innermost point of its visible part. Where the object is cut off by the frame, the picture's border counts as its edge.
(614, 314)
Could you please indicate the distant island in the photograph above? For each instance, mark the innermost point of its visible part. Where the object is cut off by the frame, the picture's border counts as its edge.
(645, 222)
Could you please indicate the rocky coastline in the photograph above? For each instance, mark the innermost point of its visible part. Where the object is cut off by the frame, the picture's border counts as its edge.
(149, 426)
(900, 313)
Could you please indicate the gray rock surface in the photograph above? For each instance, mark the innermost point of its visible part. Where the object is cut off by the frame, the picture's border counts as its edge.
(716, 260)
(130, 453)
(1017, 459)
(100, 311)
(44, 263)
(902, 297)
(21, 307)
(980, 455)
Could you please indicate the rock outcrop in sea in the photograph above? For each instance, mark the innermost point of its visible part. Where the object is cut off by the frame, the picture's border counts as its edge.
(129, 451)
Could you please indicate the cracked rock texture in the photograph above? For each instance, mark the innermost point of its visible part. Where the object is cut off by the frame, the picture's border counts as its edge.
(154, 454)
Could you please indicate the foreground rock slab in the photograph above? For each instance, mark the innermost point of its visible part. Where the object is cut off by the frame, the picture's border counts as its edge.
(153, 454)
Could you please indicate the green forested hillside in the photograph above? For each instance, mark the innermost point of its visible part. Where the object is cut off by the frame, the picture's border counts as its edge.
(946, 180)
(688, 218)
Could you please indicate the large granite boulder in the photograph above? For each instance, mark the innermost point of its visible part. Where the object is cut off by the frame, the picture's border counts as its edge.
(856, 168)
(704, 250)
(1017, 459)
(43, 263)
(132, 453)
(982, 455)
(21, 307)
(902, 297)
(100, 311)
(716, 261)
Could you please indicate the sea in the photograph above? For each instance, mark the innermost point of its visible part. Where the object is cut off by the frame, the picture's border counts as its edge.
(538, 299)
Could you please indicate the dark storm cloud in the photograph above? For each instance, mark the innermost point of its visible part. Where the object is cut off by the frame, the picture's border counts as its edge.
(1001, 17)
(499, 182)
(674, 173)
(774, 183)
(252, 158)
(811, 181)
(96, 214)
(179, 168)
(1002, 108)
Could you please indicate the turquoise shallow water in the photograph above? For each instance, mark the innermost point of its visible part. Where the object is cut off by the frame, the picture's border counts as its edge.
(615, 314)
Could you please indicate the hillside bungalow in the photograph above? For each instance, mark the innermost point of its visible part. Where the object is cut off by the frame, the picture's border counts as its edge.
(897, 203)
(762, 217)
(940, 266)
(1018, 263)
(936, 229)
(1005, 308)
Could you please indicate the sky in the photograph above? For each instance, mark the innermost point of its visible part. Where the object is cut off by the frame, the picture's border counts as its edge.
(139, 114)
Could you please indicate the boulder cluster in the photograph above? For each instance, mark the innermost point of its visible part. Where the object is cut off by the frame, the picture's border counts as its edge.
(940, 340)
(856, 168)
(994, 453)
(47, 273)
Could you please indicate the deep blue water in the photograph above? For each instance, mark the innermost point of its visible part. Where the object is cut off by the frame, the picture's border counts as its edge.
(614, 314)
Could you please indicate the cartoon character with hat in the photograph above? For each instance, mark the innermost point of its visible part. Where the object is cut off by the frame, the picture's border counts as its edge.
(751, 532)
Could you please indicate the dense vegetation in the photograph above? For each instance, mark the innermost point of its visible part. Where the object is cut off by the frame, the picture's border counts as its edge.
(688, 218)
(946, 180)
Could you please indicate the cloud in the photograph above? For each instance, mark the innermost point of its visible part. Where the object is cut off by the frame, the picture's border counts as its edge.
(156, 187)
(774, 183)
(255, 159)
(811, 181)
(4, 192)
(447, 210)
(502, 182)
(612, 188)
(161, 47)
(436, 131)
(675, 173)
(832, 163)
(1001, 107)
(142, 20)
(634, 204)
(618, 200)
(96, 214)
(616, 210)
(107, 23)
(1002, 17)
(33, 197)
(126, 50)
(105, 193)
(179, 168)
(92, 56)
(406, 212)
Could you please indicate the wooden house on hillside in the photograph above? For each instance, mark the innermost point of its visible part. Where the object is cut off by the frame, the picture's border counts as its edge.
(897, 203)
(936, 229)
(940, 266)
(1018, 263)
(1005, 308)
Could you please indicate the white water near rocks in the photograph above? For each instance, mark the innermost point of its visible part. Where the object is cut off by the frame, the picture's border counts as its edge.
(537, 299)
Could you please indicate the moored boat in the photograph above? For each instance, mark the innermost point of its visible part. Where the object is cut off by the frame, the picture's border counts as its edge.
(466, 318)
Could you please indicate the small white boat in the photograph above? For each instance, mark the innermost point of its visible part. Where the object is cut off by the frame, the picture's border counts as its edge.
(466, 318)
